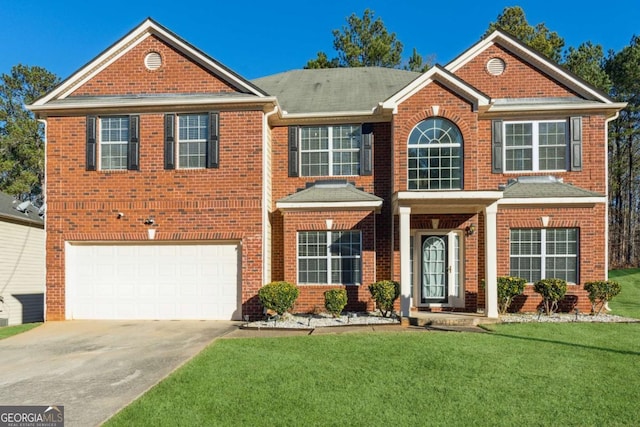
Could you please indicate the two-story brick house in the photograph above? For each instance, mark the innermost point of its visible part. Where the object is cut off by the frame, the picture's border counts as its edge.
(176, 188)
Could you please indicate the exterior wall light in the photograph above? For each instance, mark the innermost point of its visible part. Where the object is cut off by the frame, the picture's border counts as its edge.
(470, 230)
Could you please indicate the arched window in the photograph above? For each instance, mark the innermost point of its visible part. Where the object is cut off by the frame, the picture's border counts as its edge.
(435, 155)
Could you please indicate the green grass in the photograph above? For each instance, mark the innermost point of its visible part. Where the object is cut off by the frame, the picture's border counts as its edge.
(9, 331)
(527, 374)
(538, 374)
(627, 303)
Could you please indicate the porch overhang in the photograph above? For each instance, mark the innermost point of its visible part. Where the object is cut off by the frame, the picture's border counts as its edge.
(445, 202)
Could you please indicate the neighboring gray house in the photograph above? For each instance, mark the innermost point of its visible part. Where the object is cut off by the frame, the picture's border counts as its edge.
(22, 262)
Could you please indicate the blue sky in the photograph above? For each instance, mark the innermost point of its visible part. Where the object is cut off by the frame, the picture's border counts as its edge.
(261, 38)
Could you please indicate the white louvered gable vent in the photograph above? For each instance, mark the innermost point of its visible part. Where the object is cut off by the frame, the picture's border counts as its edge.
(495, 66)
(153, 61)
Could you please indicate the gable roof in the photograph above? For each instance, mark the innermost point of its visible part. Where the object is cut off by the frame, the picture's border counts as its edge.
(444, 77)
(146, 29)
(335, 91)
(532, 57)
(9, 211)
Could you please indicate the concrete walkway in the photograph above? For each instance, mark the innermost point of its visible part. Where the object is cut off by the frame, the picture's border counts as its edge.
(95, 368)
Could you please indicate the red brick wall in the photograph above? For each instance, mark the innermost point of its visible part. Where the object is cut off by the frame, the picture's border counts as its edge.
(312, 296)
(519, 80)
(128, 74)
(591, 223)
(284, 228)
(202, 204)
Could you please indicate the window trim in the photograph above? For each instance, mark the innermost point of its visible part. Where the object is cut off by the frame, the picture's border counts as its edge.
(460, 146)
(328, 257)
(535, 146)
(330, 150)
(172, 140)
(543, 251)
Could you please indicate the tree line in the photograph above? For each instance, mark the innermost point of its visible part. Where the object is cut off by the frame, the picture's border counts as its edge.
(365, 41)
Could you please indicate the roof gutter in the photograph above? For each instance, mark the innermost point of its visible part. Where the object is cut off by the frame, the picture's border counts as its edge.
(139, 103)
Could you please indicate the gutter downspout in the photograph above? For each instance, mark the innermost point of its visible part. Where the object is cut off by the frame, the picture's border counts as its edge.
(44, 201)
(266, 195)
(606, 189)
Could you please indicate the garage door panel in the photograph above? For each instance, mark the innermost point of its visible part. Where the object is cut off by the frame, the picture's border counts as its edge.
(154, 281)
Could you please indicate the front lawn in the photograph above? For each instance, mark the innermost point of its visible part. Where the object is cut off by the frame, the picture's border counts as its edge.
(520, 374)
(628, 302)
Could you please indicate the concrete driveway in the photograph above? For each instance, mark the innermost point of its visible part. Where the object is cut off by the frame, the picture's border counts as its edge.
(95, 368)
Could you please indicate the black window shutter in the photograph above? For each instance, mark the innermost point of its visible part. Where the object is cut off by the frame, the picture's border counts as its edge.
(133, 150)
(213, 145)
(169, 141)
(91, 143)
(366, 151)
(293, 151)
(576, 143)
(496, 146)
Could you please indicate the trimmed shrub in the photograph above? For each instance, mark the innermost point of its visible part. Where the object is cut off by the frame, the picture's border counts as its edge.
(278, 296)
(385, 293)
(600, 293)
(552, 291)
(335, 300)
(508, 288)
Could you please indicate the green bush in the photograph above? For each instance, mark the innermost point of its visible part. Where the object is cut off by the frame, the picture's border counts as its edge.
(278, 296)
(335, 301)
(508, 288)
(552, 291)
(601, 292)
(384, 293)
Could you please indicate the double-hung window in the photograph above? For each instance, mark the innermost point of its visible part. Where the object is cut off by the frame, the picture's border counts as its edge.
(329, 257)
(192, 140)
(548, 253)
(112, 143)
(114, 138)
(330, 150)
(195, 144)
(337, 150)
(535, 146)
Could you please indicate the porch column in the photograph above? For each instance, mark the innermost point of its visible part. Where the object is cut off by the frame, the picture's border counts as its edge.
(491, 260)
(405, 261)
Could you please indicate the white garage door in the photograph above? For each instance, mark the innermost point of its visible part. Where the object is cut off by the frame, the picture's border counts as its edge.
(152, 281)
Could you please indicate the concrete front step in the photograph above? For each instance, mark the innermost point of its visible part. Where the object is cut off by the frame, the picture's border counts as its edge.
(425, 319)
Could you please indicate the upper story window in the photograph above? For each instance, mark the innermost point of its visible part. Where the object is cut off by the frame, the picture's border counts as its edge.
(330, 150)
(196, 144)
(116, 139)
(435, 156)
(537, 145)
(338, 150)
(192, 140)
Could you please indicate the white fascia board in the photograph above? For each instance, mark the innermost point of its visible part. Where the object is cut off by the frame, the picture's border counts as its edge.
(108, 57)
(556, 201)
(469, 196)
(315, 206)
(150, 102)
(434, 74)
(538, 60)
(559, 107)
(327, 114)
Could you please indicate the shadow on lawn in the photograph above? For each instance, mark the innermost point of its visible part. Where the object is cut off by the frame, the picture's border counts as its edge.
(550, 341)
